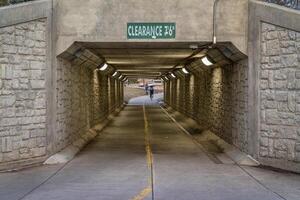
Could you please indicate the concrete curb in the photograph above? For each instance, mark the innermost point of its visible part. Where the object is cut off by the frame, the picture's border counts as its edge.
(236, 155)
(71, 150)
(231, 151)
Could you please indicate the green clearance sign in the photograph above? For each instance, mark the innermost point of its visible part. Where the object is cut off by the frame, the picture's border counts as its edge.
(151, 30)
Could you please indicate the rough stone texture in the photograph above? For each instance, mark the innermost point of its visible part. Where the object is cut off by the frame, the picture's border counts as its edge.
(82, 101)
(101, 109)
(239, 103)
(22, 91)
(112, 94)
(279, 132)
(216, 98)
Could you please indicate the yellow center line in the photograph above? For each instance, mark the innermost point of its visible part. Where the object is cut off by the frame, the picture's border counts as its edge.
(146, 191)
(143, 194)
(147, 141)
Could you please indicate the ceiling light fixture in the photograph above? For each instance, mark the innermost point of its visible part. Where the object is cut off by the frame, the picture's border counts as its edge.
(114, 74)
(104, 67)
(185, 70)
(165, 78)
(172, 75)
(120, 76)
(206, 61)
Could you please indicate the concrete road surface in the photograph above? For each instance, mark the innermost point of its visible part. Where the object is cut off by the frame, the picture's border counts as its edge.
(142, 154)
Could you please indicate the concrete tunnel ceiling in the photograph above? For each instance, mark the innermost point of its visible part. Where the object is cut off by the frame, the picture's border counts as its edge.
(149, 59)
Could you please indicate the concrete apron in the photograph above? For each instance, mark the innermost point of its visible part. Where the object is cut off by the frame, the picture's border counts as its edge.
(142, 154)
(227, 154)
(228, 151)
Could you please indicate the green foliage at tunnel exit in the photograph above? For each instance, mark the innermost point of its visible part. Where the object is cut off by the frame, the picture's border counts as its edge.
(10, 2)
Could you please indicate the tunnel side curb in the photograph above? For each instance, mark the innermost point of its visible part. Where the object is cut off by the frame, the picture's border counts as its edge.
(68, 153)
(71, 150)
(186, 124)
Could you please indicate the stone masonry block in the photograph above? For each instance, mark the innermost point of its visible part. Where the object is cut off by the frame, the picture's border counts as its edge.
(264, 142)
(6, 143)
(8, 122)
(7, 100)
(37, 84)
(6, 71)
(272, 48)
(280, 144)
(38, 151)
(281, 75)
(289, 60)
(37, 74)
(281, 96)
(37, 65)
(271, 35)
(263, 152)
(297, 74)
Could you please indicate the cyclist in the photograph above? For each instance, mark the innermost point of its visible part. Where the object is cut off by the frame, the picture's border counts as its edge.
(151, 91)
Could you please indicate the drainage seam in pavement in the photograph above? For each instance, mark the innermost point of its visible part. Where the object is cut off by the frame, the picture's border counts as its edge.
(244, 170)
(260, 183)
(46, 180)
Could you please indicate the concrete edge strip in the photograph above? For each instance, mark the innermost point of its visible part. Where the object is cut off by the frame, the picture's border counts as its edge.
(24, 12)
(71, 150)
(231, 151)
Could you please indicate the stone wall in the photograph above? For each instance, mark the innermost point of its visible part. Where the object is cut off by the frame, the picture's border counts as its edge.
(216, 98)
(22, 91)
(112, 94)
(239, 103)
(279, 95)
(74, 107)
(103, 100)
(83, 98)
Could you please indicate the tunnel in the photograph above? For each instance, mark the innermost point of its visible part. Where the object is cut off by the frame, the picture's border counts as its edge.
(224, 123)
(212, 95)
(207, 102)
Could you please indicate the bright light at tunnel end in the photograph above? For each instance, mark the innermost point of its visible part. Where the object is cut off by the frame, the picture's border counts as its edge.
(104, 67)
(206, 62)
(184, 70)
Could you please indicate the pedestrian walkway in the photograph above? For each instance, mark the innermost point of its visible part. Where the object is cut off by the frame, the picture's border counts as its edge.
(145, 100)
(142, 154)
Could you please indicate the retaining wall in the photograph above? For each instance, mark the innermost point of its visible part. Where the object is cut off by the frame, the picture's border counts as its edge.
(46, 102)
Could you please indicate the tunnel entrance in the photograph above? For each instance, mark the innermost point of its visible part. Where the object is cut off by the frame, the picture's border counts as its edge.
(142, 64)
(205, 83)
(62, 75)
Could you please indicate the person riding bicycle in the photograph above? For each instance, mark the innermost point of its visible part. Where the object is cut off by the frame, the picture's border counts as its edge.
(151, 91)
(146, 88)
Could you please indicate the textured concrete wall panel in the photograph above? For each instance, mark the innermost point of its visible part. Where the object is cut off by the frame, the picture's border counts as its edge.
(279, 85)
(22, 91)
